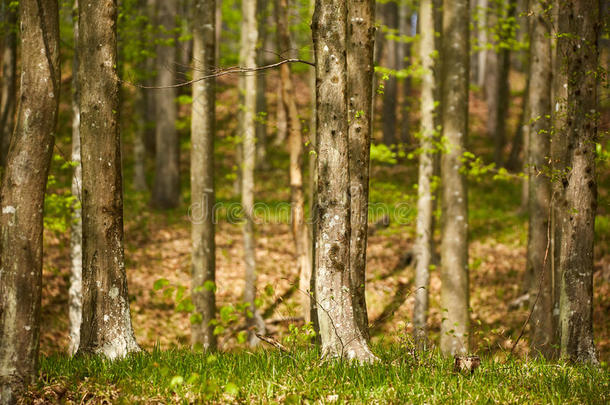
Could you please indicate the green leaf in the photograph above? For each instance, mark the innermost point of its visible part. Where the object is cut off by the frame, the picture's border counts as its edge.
(231, 389)
(160, 283)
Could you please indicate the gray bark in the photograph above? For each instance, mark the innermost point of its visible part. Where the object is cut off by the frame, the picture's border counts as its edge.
(390, 91)
(203, 266)
(482, 28)
(22, 197)
(166, 188)
(360, 71)
(424, 243)
(76, 227)
(249, 36)
(339, 332)
(538, 259)
(106, 324)
(454, 244)
(578, 58)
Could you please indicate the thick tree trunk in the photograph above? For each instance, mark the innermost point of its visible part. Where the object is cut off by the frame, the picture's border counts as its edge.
(8, 82)
(579, 25)
(249, 35)
(22, 197)
(538, 259)
(424, 243)
(203, 266)
(106, 326)
(454, 244)
(166, 188)
(360, 71)
(76, 227)
(390, 91)
(295, 142)
(339, 331)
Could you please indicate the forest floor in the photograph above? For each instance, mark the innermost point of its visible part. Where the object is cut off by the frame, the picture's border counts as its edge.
(157, 247)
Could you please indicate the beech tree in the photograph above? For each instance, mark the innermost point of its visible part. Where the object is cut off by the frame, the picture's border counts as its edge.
(106, 323)
(166, 188)
(340, 335)
(22, 197)
(247, 55)
(360, 71)
(203, 132)
(579, 25)
(454, 227)
(425, 194)
(539, 104)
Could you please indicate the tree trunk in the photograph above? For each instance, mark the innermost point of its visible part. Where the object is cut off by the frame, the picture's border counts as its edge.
(22, 197)
(454, 244)
(295, 141)
(203, 266)
(339, 331)
(482, 28)
(406, 28)
(249, 36)
(261, 86)
(281, 120)
(424, 243)
(76, 226)
(166, 188)
(106, 326)
(360, 71)
(538, 260)
(8, 90)
(312, 194)
(579, 25)
(390, 87)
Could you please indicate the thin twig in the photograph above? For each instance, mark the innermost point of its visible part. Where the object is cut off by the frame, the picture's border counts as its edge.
(224, 72)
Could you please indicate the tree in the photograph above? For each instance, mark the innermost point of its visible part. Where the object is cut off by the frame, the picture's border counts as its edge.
(579, 25)
(247, 55)
(166, 188)
(425, 194)
(106, 324)
(390, 91)
(482, 28)
(295, 142)
(454, 243)
(538, 261)
(203, 127)
(76, 227)
(360, 71)
(22, 197)
(339, 331)
(8, 83)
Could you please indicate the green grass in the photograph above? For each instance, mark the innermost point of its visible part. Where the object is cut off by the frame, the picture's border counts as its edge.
(181, 376)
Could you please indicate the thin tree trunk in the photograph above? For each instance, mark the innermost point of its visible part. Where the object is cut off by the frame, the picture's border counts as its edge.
(166, 188)
(8, 91)
(139, 147)
(454, 244)
(22, 197)
(425, 194)
(390, 91)
(295, 141)
(281, 120)
(482, 28)
(261, 86)
(247, 57)
(579, 25)
(538, 264)
(203, 266)
(76, 226)
(339, 330)
(106, 324)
